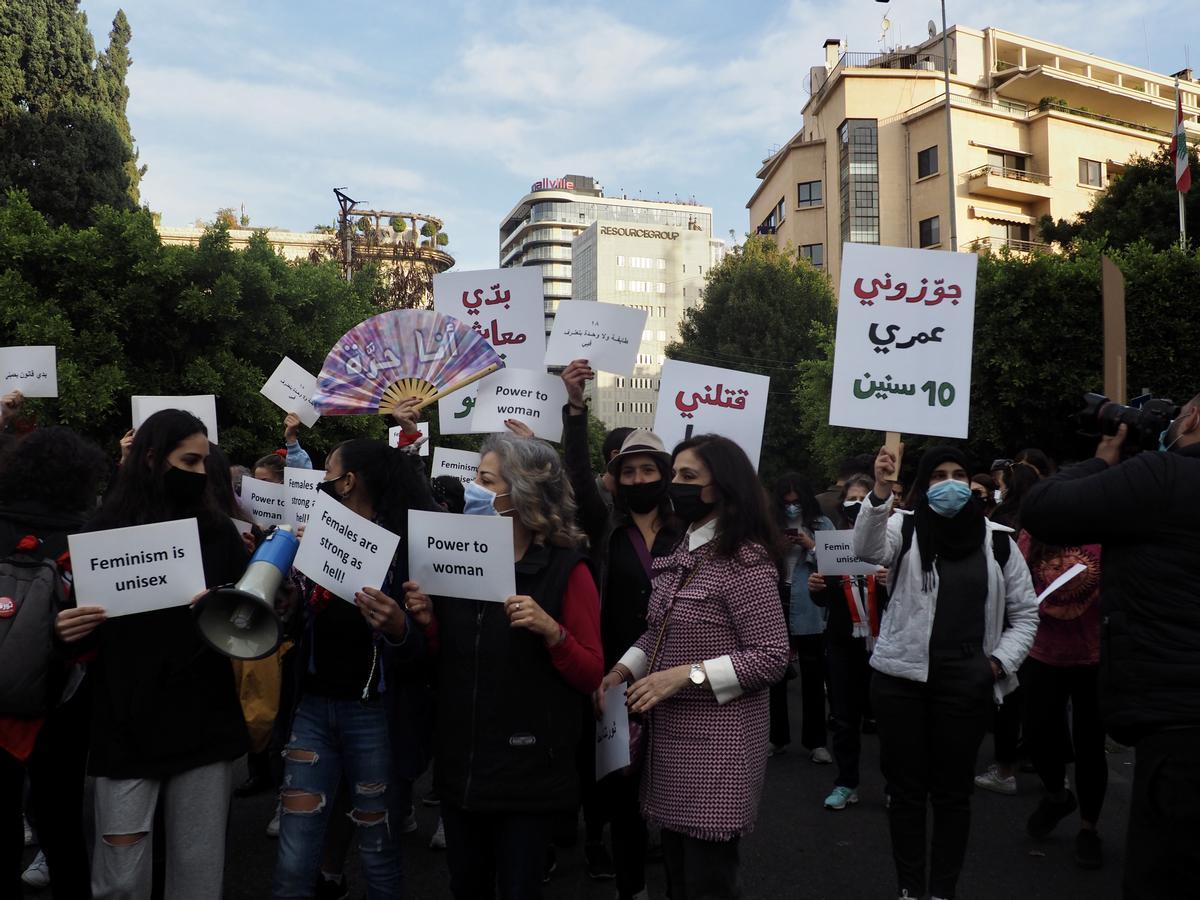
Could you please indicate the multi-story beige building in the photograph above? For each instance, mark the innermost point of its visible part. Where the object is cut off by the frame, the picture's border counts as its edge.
(1037, 129)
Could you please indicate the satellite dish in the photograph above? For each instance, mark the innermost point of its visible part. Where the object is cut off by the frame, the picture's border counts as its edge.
(932, 29)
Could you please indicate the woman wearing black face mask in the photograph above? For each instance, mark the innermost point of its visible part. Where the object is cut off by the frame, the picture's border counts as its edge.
(165, 713)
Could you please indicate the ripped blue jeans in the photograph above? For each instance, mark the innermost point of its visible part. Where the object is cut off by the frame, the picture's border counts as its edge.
(331, 739)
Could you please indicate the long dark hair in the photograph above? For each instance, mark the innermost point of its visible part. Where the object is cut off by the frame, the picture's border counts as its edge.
(220, 483)
(53, 466)
(743, 516)
(810, 509)
(1019, 479)
(391, 489)
(139, 497)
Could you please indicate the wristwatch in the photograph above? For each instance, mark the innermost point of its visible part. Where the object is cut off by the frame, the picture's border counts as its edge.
(698, 675)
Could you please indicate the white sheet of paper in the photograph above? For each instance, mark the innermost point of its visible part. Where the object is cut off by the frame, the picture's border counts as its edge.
(342, 551)
(905, 329)
(534, 397)
(508, 308)
(138, 569)
(612, 733)
(244, 528)
(291, 387)
(695, 399)
(462, 464)
(302, 493)
(396, 430)
(202, 406)
(31, 370)
(1061, 580)
(835, 554)
(266, 501)
(607, 335)
(461, 556)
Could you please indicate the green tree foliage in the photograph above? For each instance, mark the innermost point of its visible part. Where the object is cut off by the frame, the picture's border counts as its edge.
(64, 134)
(1140, 203)
(764, 311)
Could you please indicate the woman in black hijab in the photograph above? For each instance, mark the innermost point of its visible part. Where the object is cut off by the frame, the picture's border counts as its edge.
(961, 619)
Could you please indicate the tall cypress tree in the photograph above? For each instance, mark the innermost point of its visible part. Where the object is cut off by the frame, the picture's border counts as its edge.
(64, 135)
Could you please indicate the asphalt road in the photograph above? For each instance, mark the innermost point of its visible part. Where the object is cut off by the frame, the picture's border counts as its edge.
(799, 850)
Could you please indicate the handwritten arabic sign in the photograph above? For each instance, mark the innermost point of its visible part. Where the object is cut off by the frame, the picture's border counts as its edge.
(905, 326)
(506, 306)
(607, 335)
(31, 370)
(291, 388)
(612, 733)
(462, 464)
(461, 556)
(695, 399)
(534, 398)
(835, 554)
(343, 552)
(202, 406)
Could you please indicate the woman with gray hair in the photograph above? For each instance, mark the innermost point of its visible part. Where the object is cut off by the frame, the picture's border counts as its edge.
(512, 678)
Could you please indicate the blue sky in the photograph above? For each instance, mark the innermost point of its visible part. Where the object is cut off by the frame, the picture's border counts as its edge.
(455, 108)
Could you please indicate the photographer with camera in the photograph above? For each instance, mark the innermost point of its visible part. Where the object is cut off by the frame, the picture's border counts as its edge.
(1145, 512)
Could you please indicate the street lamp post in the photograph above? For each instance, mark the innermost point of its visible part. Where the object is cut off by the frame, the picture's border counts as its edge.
(950, 176)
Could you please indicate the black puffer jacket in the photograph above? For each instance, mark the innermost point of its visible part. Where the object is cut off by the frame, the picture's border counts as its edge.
(1145, 513)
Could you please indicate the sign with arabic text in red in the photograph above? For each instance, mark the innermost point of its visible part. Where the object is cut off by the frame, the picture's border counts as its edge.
(695, 399)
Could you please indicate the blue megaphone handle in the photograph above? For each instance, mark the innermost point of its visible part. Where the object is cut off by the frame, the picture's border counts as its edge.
(279, 550)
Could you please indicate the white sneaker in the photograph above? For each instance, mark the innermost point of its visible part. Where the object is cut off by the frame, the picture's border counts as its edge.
(273, 825)
(820, 756)
(992, 780)
(438, 841)
(38, 873)
(28, 831)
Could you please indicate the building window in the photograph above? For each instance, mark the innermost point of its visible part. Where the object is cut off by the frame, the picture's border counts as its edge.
(927, 162)
(1090, 173)
(768, 224)
(931, 231)
(662, 264)
(1009, 165)
(814, 253)
(620, 284)
(620, 261)
(661, 287)
(781, 210)
(662, 335)
(808, 193)
(858, 175)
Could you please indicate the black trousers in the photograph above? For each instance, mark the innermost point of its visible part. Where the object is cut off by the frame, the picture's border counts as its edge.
(1162, 853)
(700, 870)
(849, 686)
(929, 736)
(1049, 689)
(810, 657)
(487, 852)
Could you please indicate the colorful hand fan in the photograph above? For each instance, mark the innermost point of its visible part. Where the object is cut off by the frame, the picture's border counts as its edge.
(400, 354)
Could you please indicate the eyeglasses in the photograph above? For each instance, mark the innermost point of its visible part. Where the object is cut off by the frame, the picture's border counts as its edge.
(1001, 464)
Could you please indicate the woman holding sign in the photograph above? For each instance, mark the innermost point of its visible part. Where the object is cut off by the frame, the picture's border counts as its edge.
(165, 714)
(715, 642)
(961, 619)
(512, 678)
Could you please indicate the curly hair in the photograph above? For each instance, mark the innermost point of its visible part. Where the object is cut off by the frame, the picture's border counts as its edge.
(54, 466)
(540, 490)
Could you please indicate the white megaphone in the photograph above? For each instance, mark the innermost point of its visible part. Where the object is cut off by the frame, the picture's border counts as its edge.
(239, 620)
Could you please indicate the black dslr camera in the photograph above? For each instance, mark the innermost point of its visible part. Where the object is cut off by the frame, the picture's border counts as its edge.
(1102, 416)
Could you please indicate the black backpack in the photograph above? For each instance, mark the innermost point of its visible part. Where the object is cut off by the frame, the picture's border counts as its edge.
(31, 596)
(1001, 542)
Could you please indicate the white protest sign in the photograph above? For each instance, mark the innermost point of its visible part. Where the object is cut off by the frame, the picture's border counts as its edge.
(343, 552)
(905, 326)
(612, 733)
(244, 528)
(138, 569)
(507, 307)
(202, 406)
(461, 556)
(535, 398)
(290, 388)
(695, 399)
(462, 464)
(1062, 579)
(607, 335)
(396, 430)
(835, 554)
(302, 493)
(31, 370)
(266, 501)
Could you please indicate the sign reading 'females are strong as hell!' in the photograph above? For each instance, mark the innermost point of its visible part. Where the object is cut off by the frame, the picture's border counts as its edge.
(906, 320)
(695, 399)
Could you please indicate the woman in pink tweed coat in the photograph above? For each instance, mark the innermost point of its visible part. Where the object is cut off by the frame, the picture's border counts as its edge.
(715, 641)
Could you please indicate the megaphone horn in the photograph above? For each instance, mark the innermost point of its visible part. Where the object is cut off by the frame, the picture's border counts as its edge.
(239, 620)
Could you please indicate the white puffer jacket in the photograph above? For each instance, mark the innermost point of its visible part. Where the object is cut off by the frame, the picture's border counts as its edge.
(903, 646)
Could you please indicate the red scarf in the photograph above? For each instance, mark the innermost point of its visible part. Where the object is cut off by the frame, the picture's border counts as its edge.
(862, 597)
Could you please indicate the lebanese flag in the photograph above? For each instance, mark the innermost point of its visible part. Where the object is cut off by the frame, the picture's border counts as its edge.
(1183, 171)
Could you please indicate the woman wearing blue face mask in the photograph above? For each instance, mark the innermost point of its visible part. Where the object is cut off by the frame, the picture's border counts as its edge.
(961, 619)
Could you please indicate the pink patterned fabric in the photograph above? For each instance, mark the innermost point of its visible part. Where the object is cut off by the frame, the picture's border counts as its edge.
(705, 762)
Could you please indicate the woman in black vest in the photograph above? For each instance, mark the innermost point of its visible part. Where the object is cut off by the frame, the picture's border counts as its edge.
(511, 678)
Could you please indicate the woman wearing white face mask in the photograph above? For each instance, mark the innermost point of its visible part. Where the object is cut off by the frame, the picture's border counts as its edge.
(961, 619)
(512, 678)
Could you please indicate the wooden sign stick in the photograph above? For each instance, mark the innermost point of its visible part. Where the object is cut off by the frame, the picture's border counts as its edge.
(1113, 290)
(896, 446)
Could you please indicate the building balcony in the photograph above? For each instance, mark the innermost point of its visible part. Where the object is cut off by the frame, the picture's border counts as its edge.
(993, 244)
(1008, 183)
